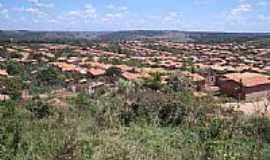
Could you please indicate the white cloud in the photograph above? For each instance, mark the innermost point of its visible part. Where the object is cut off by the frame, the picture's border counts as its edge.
(33, 11)
(109, 17)
(52, 21)
(33, 1)
(263, 3)
(110, 6)
(172, 16)
(115, 13)
(237, 15)
(241, 8)
(90, 11)
(87, 12)
(37, 9)
(105, 19)
(264, 18)
(88, 6)
(4, 12)
(38, 3)
(123, 8)
(74, 13)
(117, 8)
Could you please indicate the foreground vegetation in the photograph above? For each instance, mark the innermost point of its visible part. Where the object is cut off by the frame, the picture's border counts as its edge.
(132, 123)
(138, 121)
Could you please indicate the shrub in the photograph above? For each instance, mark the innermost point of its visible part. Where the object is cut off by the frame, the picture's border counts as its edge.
(50, 76)
(154, 82)
(15, 69)
(39, 108)
(259, 126)
(12, 87)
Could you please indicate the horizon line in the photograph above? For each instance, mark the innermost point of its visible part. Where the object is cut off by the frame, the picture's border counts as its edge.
(130, 30)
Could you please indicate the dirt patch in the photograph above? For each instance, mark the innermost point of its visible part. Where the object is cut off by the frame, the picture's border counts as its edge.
(259, 107)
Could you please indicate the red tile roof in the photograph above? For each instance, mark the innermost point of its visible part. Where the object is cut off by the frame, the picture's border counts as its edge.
(96, 65)
(193, 76)
(248, 79)
(65, 66)
(131, 76)
(124, 68)
(96, 72)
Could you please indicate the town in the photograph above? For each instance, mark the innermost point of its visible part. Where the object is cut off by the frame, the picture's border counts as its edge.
(94, 96)
(134, 80)
(240, 71)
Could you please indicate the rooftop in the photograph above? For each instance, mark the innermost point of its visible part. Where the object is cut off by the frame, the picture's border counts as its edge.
(96, 72)
(194, 76)
(3, 73)
(130, 76)
(249, 79)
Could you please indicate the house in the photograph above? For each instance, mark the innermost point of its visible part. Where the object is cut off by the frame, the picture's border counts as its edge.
(124, 68)
(85, 86)
(96, 72)
(95, 87)
(4, 97)
(131, 76)
(95, 65)
(210, 76)
(65, 67)
(245, 86)
(3, 73)
(197, 79)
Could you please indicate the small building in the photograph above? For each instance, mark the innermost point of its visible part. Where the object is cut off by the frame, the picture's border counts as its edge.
(95, 72)
(198, 80)
(210, 76)
(3, 73)
(85, 86)
(95, 87)
(4, 97)
(131, 76)
(245, 86)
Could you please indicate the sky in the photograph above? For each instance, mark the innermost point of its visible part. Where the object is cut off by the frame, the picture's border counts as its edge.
(112, 15)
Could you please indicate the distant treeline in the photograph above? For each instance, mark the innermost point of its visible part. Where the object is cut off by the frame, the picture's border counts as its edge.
(59, 37)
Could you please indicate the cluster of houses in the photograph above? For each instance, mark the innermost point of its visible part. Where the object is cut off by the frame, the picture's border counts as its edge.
(239, 70)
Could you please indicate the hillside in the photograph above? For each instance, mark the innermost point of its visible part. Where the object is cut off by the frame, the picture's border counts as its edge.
(24, 35)
(117, 101)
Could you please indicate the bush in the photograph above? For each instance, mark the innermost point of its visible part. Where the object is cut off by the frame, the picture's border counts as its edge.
(15, 69)
(172, 114)
(215, 128)
(154, 82)
(39, 108)
(83, 103)
(12, 87)
(50, 76)
(259, 127)
(113, 72)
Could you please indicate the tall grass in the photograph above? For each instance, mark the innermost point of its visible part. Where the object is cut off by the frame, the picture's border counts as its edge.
(132, 125)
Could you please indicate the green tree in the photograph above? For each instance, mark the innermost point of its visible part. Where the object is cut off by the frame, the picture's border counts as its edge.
(154, 82)
(12, 87)
(50, 76)
(15, 69)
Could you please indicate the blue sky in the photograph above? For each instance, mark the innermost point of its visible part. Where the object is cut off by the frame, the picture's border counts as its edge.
(100, 15)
